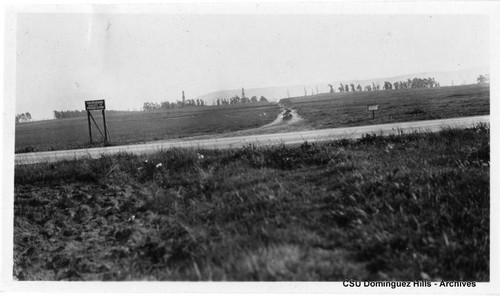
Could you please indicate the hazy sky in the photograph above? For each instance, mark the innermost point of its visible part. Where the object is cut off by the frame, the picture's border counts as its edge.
(127, 59)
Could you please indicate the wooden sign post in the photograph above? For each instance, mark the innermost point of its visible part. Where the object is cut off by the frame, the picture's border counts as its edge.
(372, 108)
(96, 105)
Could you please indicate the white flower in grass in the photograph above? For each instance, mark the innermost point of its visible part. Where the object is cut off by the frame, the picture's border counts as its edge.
(200, 156)
(159, 165)
(389, 147)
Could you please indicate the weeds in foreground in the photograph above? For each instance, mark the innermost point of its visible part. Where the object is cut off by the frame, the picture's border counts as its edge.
(405, 207)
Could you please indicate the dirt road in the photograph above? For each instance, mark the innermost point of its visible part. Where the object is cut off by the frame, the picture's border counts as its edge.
(221, 142)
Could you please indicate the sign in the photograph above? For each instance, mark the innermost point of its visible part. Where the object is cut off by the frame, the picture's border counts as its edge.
(372, 108)
(95, 105)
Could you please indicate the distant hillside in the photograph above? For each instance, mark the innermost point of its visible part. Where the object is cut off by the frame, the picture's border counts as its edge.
(445, 78)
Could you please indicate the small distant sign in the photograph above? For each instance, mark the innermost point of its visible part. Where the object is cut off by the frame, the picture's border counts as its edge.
(95, 105)
(372, 107)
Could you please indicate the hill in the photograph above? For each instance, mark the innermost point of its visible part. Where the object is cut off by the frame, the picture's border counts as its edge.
(445, 78)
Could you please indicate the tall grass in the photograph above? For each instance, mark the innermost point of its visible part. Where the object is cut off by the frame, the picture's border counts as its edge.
(405, 207)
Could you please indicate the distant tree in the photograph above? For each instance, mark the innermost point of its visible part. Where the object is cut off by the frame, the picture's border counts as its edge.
(352, 87)
(396, 85)
(341, 88)
(253, 99)
(432, 82)
(368, 88)
(483, 79)
(425, 82)
(218, 102)
(165, 105)
(359, 88)
(263, 99)
(23, 117)
(417, 83)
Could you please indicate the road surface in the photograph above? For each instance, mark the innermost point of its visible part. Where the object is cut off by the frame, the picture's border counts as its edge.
(264, 139)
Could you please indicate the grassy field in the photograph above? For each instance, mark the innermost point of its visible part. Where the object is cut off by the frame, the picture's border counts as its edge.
(404, 207)
(134, 127)
(319, 111)
(350, 109)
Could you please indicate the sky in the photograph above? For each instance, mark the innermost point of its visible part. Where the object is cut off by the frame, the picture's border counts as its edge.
(64, 59)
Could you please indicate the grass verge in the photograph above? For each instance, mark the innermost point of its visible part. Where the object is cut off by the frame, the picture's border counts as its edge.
(403, 207)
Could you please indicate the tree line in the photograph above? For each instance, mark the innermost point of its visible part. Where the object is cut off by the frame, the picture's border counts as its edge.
(410, 83)
(69, 114)
(237, 100)
(150, 106)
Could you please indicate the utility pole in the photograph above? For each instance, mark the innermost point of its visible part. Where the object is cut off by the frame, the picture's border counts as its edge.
(242, 92)
(183, 99)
